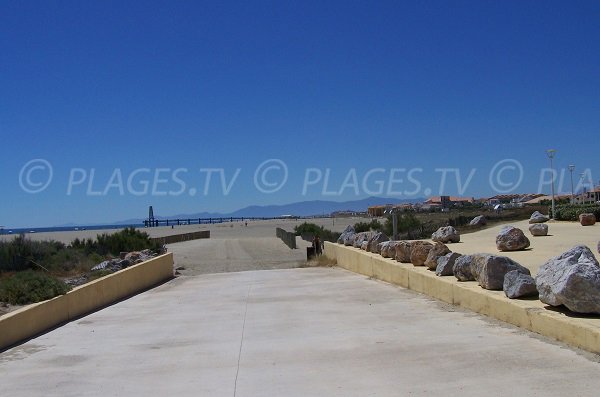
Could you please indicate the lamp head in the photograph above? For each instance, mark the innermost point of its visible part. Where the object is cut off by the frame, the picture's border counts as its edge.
(551, 153)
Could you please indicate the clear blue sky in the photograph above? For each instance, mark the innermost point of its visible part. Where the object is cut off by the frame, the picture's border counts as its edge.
(338, 85)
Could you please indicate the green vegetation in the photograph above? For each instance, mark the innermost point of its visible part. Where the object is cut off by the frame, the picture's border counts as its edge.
(22, 254)
(29, 287)
(128, 239)
(409, 226)
(557, 201)
(368, 226)
(31, 271)
(571, 212)
(310, 229)
(419, 225)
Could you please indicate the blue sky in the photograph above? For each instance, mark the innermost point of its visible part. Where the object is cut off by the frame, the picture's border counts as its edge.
(344, 86)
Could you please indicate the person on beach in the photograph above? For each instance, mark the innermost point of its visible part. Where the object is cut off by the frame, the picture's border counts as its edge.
(316, 243)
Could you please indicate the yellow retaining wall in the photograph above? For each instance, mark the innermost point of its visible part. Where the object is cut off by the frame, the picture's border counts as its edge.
(39, 317)
(531, 314)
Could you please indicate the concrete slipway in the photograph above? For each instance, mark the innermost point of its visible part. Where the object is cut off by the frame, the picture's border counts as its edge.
(298, 332)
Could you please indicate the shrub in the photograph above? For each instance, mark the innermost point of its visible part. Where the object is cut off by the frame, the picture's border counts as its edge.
(368, 226)
(30, 287)
(128, 239)
(22, 253)
(310, 229)
(571, 212)
(408, 225)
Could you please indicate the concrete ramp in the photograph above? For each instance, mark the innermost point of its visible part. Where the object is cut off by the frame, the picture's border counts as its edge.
(299, 332)
(221, 255)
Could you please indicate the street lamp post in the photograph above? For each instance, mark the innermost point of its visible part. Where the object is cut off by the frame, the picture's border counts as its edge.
(394, 212)
(571, 169)
(583, 188)
(551, 153)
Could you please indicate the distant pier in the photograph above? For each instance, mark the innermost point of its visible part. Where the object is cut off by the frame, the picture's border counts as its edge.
(207, 221)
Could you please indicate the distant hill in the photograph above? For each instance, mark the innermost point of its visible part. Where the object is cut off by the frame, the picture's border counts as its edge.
(301, 208)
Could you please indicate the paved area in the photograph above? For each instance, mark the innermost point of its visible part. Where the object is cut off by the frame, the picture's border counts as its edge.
(300, 332)
(219, 255)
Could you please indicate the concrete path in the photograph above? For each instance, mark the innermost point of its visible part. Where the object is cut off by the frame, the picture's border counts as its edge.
(220, 255)
(300, 332)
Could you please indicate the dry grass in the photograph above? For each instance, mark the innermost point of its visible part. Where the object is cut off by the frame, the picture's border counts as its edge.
(320, 261)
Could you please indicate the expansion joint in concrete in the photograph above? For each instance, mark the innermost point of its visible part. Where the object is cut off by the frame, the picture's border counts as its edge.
(241, 342)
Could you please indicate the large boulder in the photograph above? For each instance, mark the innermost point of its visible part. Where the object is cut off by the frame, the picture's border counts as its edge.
(419, 252)
(489, 270)
(538, 229)
(360, 238)
(511, 238)
(437, 251)
(587, 219)
(538, 217)
(571, 279)
(403, 249)
(388, 249)
(349, 239)
(446, 234)
(519, 285)
(383, 247)
(462, 268)
(348, 231)
(478, 221)
(377, 238)
(445, 264)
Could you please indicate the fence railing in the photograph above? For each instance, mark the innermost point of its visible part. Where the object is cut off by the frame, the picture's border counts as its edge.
(288, 238)
(177, 238)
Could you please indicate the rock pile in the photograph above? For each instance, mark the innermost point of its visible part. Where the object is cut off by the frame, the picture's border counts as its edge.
(571, 279)
(125, 260)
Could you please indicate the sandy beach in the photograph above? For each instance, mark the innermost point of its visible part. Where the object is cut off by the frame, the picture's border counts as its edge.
(258, 228)
(233, 246)
(561, 237)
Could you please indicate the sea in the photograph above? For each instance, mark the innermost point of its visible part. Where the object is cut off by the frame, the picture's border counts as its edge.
(27, 230)
(65, 228)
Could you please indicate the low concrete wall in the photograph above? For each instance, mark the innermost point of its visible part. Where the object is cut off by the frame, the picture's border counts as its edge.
(177, 238)
(34, 319)
(579, 331)
(287, 237)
